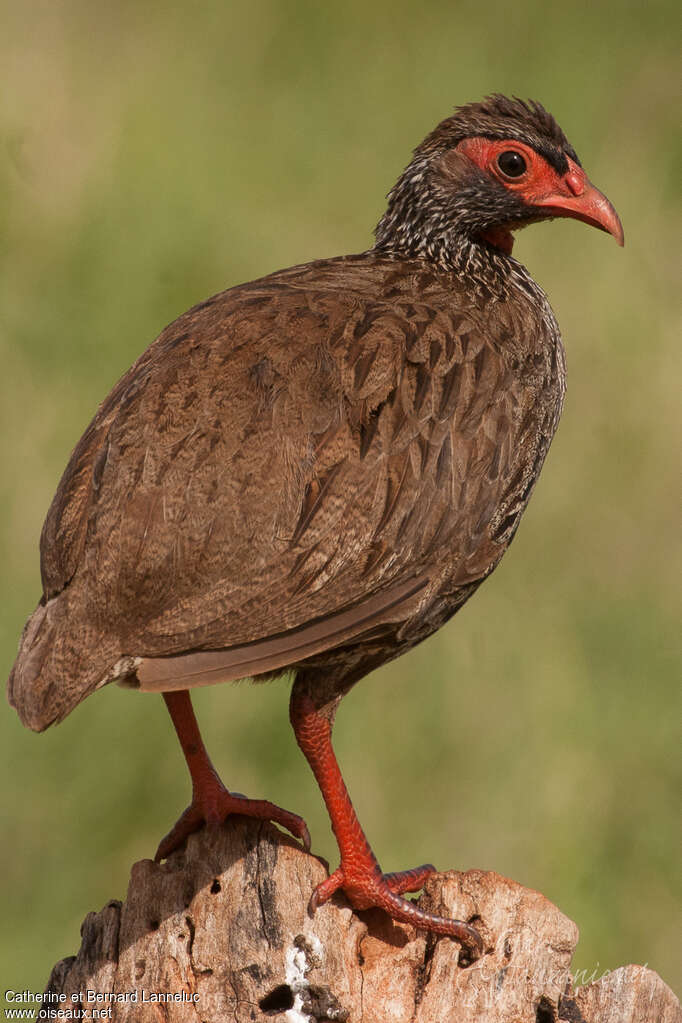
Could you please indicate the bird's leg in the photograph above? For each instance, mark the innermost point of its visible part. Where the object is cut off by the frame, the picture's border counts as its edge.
(211, 801)
(359, 874)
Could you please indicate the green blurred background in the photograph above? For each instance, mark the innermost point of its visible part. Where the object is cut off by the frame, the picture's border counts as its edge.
(153, 154)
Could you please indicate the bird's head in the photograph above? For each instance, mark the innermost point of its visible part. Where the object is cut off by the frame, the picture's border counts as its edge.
(490, 169)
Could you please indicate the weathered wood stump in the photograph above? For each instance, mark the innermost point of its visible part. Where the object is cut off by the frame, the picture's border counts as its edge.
(221, 932)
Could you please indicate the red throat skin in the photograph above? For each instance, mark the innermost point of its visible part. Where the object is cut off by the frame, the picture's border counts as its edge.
(501, 238)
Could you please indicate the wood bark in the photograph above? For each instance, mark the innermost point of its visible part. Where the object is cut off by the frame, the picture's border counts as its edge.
(220, 932)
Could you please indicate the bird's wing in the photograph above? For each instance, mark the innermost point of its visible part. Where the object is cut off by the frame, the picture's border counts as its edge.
(285, 458)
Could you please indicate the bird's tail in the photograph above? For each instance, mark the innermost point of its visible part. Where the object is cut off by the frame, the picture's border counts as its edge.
(55, 669)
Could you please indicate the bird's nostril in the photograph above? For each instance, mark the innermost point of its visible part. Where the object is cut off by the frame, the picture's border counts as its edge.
(575, 183)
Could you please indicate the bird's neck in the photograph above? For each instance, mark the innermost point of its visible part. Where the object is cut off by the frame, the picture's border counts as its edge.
(417, 225)
(485, 266)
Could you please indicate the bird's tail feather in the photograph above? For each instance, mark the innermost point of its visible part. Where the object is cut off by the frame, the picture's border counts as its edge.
(54, 669)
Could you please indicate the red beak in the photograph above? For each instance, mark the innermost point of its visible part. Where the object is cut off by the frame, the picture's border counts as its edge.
(582, 201)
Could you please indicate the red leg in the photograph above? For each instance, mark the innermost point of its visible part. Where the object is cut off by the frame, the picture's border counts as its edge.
(211, 801)
(359, 874)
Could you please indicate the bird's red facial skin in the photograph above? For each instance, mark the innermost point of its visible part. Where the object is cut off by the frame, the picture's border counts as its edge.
(537, 181)
(541, 186)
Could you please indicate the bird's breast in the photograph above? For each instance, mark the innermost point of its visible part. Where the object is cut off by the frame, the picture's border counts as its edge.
(480, 412)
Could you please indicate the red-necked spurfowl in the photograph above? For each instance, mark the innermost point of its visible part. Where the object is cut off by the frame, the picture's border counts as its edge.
(315, 470)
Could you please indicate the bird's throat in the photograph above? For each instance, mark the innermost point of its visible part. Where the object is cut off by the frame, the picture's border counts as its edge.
(500, 237)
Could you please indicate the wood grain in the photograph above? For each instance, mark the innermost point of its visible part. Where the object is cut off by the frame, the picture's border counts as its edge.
(224, 921)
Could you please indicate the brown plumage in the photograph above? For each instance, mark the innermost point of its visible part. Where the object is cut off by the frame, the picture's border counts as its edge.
(316, 469)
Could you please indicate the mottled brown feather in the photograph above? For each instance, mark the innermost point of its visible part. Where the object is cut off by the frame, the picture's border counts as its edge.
(280, 455)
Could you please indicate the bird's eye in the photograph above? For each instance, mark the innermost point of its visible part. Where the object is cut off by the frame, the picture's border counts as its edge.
(511, 163)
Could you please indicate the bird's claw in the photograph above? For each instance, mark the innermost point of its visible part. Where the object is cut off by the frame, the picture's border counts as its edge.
(368, 889)
(220, 804)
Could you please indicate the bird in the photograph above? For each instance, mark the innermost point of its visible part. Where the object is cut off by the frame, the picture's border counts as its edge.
(310, 473)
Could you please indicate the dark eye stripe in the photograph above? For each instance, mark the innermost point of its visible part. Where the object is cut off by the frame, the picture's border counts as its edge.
(511, 163)
(554, 156)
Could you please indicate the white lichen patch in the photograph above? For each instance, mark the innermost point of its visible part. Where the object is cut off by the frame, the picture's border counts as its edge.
(300, 957)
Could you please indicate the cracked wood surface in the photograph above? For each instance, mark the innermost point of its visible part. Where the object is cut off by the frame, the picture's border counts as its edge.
(220, 932)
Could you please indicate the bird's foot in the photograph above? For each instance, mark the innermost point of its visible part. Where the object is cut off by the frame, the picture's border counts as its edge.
(366, 887)
(215, 804)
